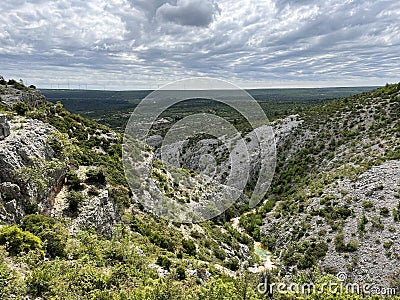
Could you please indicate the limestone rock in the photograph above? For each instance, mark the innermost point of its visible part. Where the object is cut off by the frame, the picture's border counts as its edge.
(4, 127)
(26, 144)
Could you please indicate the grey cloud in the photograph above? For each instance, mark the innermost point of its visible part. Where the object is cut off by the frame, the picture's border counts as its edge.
(150, 7)
(189, 12)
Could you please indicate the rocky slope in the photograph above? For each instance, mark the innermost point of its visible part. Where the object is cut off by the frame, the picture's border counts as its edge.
(333, 203)
(27, 148)
(337, 190)
(69, 168)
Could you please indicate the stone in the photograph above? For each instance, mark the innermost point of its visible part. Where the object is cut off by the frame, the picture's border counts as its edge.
(4, 127)
(10, 190)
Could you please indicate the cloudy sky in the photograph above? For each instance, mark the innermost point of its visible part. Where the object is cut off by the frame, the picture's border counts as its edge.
(136, 44)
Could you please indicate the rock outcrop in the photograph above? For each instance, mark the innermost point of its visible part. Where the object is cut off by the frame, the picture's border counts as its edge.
(4, 127)
(11, 95)
(25, 179)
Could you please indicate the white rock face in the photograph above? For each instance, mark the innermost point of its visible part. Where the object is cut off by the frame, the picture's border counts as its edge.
(4, 127)
(11, 96)
(26, 143)
(284, 127)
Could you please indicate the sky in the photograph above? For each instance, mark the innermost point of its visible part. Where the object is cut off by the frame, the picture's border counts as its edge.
(144, 44)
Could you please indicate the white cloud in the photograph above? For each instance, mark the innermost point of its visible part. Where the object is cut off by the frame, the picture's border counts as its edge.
(139, 43)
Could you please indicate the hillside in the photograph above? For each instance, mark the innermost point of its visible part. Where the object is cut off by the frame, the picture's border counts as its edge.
(337, 191)
(72, 229)
(69, 170)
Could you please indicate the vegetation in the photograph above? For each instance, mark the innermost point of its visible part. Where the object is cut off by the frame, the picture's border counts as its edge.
(16, 240)
(42, 257)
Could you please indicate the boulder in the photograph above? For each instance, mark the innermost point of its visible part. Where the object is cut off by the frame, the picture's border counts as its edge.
(4, 127)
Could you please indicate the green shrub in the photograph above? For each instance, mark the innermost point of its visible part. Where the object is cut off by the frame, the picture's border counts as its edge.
(164, 262)
(195, 234)
(368, 205)
(75, 200)
(232, 264)
(340, 246)
(95, 177)
(181, 272)
(73, 181)
(352, 246)
(219, 253)
(387, 244)
(11, 284)
(385, 212)
(17, 240)
(21, 108)
(52, 233)
(189, 247)
(362, 223)
(120, 194)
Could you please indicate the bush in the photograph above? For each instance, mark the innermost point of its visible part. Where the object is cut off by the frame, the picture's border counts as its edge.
(340, 246)
(181, 272)
(120, 194)
(232, 264)
(11, 283)
(95, 177)
(189, 247)
(74, 200)
(352, 246)
(73, 181)
(21, 108)
(367, 205)
(164, 262)
(384, 212)
(362, 223)
(17, 240)
(51, 232)
(219, 253)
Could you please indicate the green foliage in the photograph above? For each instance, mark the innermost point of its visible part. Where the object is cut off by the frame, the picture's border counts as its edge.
(384, 211)
(368, 205)
(251, 223)
(387, 244)
(12, 285)
(155, 232)
(73, 181)
(120, 195)
(362, 223)
(18, 241)
(95, 177)
(181, 272)
(189, 247)
(340, 245)
(396, 213)
(74, 200)
(164, 262)
(269, 205)
(52, 233)
(219, 253)
(232, 264)
(21, 108)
